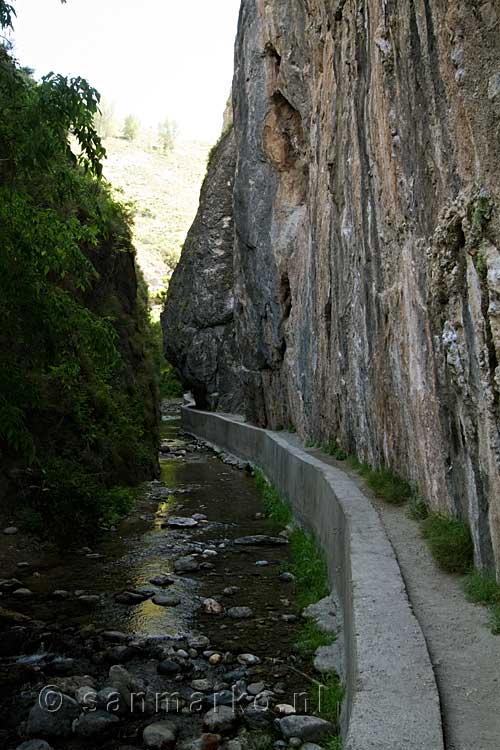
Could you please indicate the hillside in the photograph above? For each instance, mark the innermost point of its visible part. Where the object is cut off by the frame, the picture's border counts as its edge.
(164, 191)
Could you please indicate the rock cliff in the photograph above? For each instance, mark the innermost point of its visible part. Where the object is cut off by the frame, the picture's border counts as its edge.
(366, 257)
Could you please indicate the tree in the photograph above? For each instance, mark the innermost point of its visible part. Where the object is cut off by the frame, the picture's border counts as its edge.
(105, 122)
(167, 132)
(131, 128)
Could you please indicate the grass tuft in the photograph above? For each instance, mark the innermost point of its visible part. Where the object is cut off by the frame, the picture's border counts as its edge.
(309, 568)
(450, 542)
(495, 619)
(311, 638)
(332, 448)
(276, 509)
(326, 699)
(481, 588)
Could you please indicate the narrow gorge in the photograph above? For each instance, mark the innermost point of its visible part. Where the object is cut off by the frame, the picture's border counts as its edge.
(345, 256)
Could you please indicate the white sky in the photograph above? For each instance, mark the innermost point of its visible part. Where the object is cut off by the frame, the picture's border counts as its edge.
(152, 58)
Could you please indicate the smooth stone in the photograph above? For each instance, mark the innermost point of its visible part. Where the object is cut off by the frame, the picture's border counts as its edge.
(129, 597)
(22, 592)
(240, 613)
(212, 606)
(115, 636)
(210, 741)
(305, 727)
(167, 600)
(34, 745)
(181, 522)
(23, 565)
(183, 654)
(57, 721)
(231, 590)
(285, 709)
(262, 563)
(198, 641)
(202, 685)
(186, 564)
(294, 742)
(89, 599)
(110, 700)
(261, 540)
(248, 660)
(214, 659)
(311, 746)
(61, 594)
(199, 517)
(160, 735)
(219, 720)
(168, 667)
(10, 530)
(255, 688)
(124, 683)
(257, 718)
(94, 723)
(220, 698)
(287, 577)
(86, 696)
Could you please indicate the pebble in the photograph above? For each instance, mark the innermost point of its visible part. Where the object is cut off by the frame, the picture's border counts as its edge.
(231, 590)
(181, 522)
(10, 530)
(305, 727)
(129, 597)
(167, 600)
(287, 577)
(34, 745)
(219, 720)
(294, 742)
(198, 641)
(311, 746)
(60, 594)
(22, 592)
(261, 540)
(182, 654)
(186, 564)
(215, 659)
(240, 613)
(168, 667)
(248, 660)
(115, 635)
(212, 607)
(23, 565)
(159, 736)
(90, 599)
(255, 688)
(262, 563)
(210, 741)
(285, 709)
(202, 685)
(199, 517)
(94, 723)
(162, 580)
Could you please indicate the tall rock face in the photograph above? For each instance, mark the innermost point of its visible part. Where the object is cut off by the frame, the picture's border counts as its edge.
(198, 320)
(366, 237)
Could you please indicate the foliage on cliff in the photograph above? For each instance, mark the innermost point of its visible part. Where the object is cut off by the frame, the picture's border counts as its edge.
(77, 386)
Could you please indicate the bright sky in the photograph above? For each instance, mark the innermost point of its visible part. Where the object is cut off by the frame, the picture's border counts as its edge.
(151, 58)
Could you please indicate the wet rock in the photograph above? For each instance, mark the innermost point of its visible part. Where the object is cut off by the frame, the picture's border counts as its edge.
(70, 685)
(160, 735)
(279, 745)
(110, 700)
(240, 613)
(23, 592)
(255, 688)
(186, 564)
(168, 667)
(311, 746)
(129, 597)
(305, 727)
(95, 723)
(289, 618)
(167, 600)
(181, 522)
(287, 577)
(212, 607)
(214, 659)
(220, 720)
(220, 698)
(162, 580)
(115, 636)
(257, 717)
(125, 683)
(198, 642)
(286, 709)
(231, 590)
(23, 565)
(52, 715)
(262, 563)
(86, 696)
(34, 745)
(199, 517)
(248, 660)
(294, 742)
(10, 530)
(202, 685)
(261, 540)
(8, 584)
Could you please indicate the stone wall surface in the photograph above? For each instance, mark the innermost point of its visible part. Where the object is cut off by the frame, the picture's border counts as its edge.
(365, 263)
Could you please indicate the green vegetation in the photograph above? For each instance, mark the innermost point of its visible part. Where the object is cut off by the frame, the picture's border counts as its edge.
(334, 449)
(131, 128)
(450, 542)
(311, 637)
(78, 413)
(384, 482)
(170, 385)
(167, 133)
(481, 588)
(310, 571)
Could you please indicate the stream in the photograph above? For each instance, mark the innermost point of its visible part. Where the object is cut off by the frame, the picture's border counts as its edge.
(187, 605)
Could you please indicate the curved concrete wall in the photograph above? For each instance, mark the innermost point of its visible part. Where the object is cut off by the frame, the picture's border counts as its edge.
(392, 699)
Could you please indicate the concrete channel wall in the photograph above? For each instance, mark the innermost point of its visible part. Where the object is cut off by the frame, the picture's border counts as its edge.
(392, 699)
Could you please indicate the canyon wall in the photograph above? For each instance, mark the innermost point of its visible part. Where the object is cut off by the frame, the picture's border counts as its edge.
(365, 276)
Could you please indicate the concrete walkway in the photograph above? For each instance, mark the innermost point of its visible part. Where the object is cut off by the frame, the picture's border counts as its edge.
(464, 652)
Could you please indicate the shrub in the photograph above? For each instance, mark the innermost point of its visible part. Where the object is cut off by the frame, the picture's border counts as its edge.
(450, 542)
